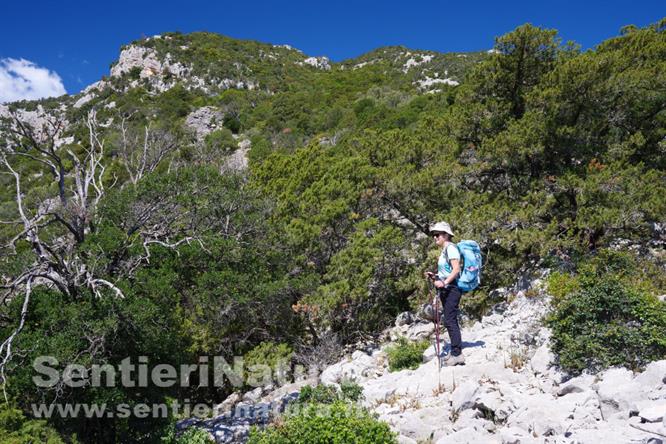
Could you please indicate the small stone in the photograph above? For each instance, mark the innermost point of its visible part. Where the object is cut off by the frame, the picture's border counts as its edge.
(654, 413)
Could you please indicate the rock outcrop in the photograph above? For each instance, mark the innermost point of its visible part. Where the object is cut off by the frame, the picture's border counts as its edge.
(204, 120)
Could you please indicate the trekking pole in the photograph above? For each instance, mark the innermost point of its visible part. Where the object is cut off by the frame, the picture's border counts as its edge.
(435, 308)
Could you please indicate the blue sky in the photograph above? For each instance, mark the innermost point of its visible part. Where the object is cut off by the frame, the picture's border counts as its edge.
(79, 40)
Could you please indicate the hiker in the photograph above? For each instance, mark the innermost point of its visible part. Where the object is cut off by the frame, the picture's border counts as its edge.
(448, 272)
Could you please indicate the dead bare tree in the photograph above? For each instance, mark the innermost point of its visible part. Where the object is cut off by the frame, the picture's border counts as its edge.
(80, 187)
(142, 151)
(78, 172)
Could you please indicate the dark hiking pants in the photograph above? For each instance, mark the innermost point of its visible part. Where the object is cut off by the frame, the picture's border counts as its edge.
(450, 297)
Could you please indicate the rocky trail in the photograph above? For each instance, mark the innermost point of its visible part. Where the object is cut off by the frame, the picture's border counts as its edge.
(508, 391)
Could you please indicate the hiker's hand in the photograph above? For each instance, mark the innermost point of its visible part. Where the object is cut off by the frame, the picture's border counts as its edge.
(439, 284)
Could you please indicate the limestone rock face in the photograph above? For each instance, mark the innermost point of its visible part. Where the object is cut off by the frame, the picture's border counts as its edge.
(237, 161)
(318, 62)
(148, 63)
(40, 122)
(204, 120)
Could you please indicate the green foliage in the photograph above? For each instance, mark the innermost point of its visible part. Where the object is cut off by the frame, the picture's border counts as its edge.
(351, 390)
(607, 316)
(192, 435)
(322, 393)
(277, 357)
(406, 354)
(15, 428)
(220, 142)
(328, 394)
(559, 285)
(373, 259)
(134, 73)
(338, 422)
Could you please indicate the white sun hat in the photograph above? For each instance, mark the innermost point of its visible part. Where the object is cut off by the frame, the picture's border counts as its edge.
(441, 227)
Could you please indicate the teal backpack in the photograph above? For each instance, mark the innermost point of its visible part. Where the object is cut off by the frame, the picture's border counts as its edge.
(471, 262)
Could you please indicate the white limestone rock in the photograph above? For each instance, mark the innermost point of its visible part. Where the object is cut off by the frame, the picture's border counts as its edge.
(358, 368)
(253, 395)
(406, 440)
(428, 82)
(152, 68)
(516, 435)
(238, 160)
(617, 390)
(542, 359)
(468, 436)
(318, 62)
(655, 412)
(540, 416)
(464, 396)
(204, 121)
(578, 384)
(83, 100)
(404, 318)
(228, 404)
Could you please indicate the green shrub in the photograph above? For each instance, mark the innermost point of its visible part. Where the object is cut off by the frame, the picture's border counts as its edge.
(339, 422)
(220, 141)
(328, 394)
(275, 356)
(406, 354)
(606, 323)
(322, 394)
(351, 390)
(15, 428)
(192, 435)
(559, 285)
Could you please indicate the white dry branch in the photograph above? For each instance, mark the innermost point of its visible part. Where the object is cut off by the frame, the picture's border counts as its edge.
(78, 173)
(56, 263)
(142, 152)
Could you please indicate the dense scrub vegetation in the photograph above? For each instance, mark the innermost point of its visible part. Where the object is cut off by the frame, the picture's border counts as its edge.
(544, 154)
(608, 314)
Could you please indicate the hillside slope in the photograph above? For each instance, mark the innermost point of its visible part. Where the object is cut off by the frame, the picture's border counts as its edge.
(215, 197)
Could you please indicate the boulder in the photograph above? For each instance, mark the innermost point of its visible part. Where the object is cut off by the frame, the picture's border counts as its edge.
(653, 376)
(578, 384)
(474, 419)
(410, 424)
(468, 436)
(359, 367)
(542, 359)
(654, 412)
(253, 395)
(491, 402)
(228, 404)
(430, 353)
(617, 390)
(464, 396)
(238, 160)
(537, 414)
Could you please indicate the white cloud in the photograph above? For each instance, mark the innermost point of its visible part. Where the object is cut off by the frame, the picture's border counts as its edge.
(22, 79)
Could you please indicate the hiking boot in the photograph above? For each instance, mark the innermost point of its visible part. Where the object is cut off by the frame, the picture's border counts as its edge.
(452, 360)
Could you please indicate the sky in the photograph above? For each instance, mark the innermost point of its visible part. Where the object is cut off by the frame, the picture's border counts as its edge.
(51, 47)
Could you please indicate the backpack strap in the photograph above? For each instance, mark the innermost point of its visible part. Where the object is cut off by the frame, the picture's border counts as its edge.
(462, 259)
